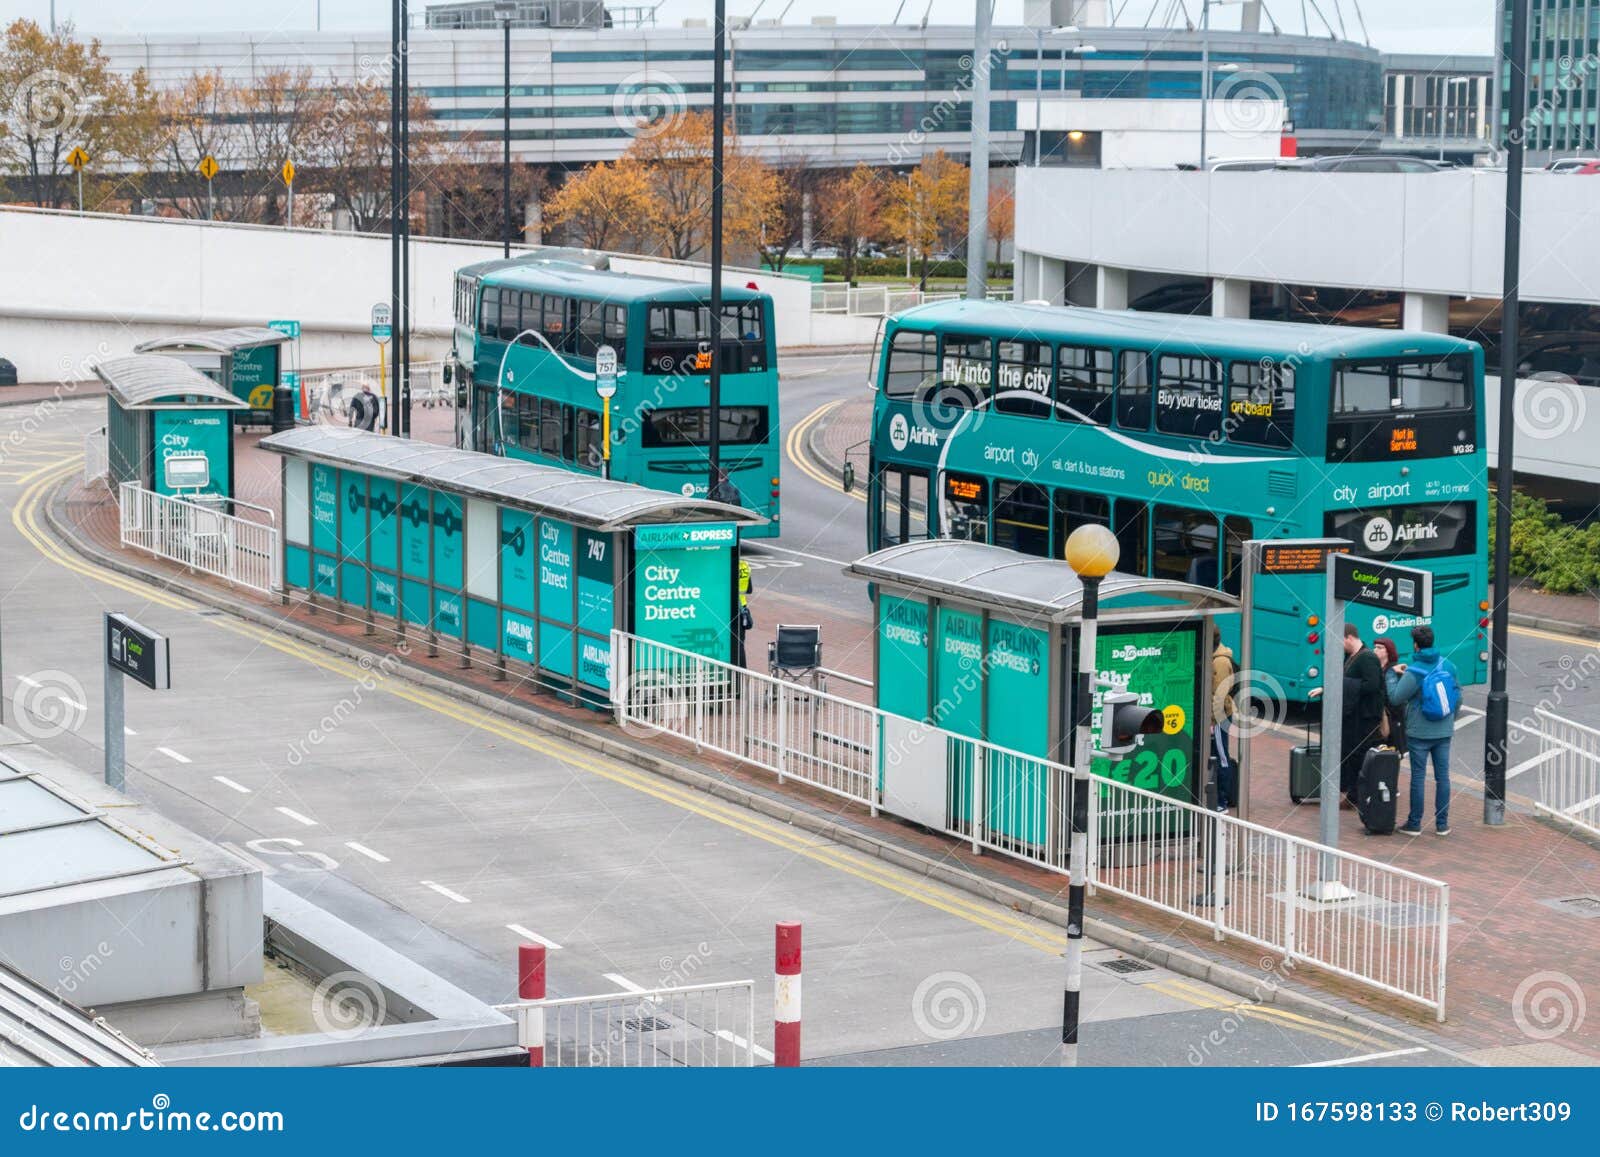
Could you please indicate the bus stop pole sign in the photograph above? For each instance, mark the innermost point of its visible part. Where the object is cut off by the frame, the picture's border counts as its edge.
(1353, 579)
(605, 385)
(132, 652)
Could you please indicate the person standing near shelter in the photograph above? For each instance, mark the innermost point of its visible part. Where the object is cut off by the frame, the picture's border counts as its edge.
(1362, 721)
(364, 408)
(1431, 695)
(745, 620)
(1224, 674)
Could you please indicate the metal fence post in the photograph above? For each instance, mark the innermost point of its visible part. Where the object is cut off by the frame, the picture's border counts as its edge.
(782, 701)
(1219, 875)
(979, 793)
(699, 702)
(1443, 942)
(1291, 866)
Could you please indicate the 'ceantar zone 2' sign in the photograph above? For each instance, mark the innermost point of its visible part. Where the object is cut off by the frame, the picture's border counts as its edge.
(1379, 584)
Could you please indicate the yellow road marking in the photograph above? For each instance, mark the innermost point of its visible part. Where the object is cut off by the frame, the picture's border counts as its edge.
(794, 447)
(1182, 990)
(1555, 637)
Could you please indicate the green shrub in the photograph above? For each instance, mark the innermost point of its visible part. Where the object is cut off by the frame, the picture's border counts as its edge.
(1559, 556)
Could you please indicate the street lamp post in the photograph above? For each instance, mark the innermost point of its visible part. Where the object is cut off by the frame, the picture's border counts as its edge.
(1498, 705)
(1038, 81)
(1205, 69)
(505, 10)
(719, 100)
(978, 174)
(1092, 552)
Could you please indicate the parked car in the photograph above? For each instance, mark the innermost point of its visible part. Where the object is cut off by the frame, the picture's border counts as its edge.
(8, 372)
(1587, 169)
(1369, 163)
(1247, 165)
(1568, 165)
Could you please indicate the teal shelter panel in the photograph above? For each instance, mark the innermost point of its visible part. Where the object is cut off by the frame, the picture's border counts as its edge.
(447, 613)
(683, 584)
(1016, 791)
(596, 594)
(386, 594)
(415, 602)
(555, 648)
(555, 573)
(297, 567)
(325, 576)
(353, 514)
(447, 552)
(324, 508)
(353, 583)
(594, 661)
(483, 624)
(958, 679)
(517, 637)
(208, 432)
(902, 677)
(383, 528)
(415, 532)
(516, 560)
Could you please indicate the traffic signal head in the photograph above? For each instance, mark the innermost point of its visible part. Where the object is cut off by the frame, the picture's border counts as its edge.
(1124, 724)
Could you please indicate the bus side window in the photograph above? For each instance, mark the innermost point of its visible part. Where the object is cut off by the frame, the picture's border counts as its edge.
(1261, 404)
(591, 328)
(966, 371)
(1235, 532)
(554, 321)
(1022, 384)
(913, 359)
(1130, 523)
(1133, 391)
(1074, 509)
(489, 315)
(1186, 546)
(1189, 396)
(1085, 383)
(510, 431)
(964, 513)
(550, 428)
(616, 326)
(509, 315)
(529, 422)
(1022, 518)
(530, 318)
(569, 438)
(588, 455)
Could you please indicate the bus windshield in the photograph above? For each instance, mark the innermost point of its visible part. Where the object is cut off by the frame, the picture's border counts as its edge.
(1396, 385)
(678, 336)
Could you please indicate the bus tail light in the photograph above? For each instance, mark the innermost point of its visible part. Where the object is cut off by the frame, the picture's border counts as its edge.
(1484, 622)
(1313, 637)
(774, 492)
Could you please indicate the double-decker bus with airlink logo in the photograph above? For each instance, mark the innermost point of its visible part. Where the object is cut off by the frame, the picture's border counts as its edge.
(1187, 436)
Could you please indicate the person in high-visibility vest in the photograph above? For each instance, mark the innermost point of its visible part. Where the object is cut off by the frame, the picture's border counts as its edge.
(745, 620)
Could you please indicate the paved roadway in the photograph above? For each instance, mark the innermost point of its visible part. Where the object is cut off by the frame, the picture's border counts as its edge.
(453, 835)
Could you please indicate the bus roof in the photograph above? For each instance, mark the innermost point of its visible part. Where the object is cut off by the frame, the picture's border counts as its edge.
(605, 285)
(1167, 329)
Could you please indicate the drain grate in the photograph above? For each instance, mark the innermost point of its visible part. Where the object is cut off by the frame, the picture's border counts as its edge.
(1125, 966)
(646, 1024)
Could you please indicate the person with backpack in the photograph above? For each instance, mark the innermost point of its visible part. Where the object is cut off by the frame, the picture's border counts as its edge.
(1431, 694)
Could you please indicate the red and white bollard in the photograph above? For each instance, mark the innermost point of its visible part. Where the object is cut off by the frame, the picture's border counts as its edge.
(530, 986)
(786, 998)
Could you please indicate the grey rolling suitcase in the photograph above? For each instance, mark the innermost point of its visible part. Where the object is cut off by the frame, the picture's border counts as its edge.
(1305, 769)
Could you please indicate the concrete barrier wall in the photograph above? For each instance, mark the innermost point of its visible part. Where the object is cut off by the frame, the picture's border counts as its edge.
(74, 289)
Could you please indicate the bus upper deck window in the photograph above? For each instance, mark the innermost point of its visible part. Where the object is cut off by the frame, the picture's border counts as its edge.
(913, 360)
(1133, 391)
(1261, 403)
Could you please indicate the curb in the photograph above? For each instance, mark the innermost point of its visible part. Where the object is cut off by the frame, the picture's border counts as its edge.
(1556, 626)
(1226, 976)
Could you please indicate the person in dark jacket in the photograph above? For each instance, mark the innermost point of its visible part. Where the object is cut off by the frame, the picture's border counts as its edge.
(1389, 655)
(1362, 721)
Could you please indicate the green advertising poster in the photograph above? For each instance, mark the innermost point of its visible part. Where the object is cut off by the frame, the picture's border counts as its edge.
(683, 587)
(903, 656)
(555, 572)
(958, 679)
(594, 661)
(324, 508)
(595, 589)
(414, 531)
(1160, 667)
(516, 560)
(253, 375)
(516, 637)
(187, 432)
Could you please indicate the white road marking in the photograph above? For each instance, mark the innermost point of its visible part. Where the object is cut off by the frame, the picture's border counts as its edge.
(1530, 764)
(445, 892)
(739, 1042)
(366, 851)
(177, 755)
(529, 934)
(1468, 720)
(226, 782)
(1359, 1060)
(804, 554)
(298, 818)
(65, 698)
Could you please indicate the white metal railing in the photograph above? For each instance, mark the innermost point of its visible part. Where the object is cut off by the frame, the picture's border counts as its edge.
(328, 392)
(881, 300)
(203, 536)
(1378, 925)
(96, 456)
(1569, 772)
(693, 1026)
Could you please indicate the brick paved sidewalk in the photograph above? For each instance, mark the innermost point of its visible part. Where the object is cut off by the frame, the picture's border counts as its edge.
(1507, 940)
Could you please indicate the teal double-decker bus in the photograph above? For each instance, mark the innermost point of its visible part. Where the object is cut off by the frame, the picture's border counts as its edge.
(526, 335)
(1015, 424)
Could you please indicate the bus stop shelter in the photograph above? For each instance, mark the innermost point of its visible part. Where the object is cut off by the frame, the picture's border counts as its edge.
(982, 642)
(167, 426)
(525, 563)
(245, 360)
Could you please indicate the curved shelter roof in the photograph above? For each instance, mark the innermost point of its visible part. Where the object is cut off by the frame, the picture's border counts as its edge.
(222, 341)
(582, 499)
(154, 382)
(1011, 583)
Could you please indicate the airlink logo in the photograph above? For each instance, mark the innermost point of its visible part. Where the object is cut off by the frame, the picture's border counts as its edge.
(1128, 653)
(902, 433)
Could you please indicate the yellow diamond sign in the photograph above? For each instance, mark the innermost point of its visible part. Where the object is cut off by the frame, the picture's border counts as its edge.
(208, 167)
(288, 172)
(77, 158)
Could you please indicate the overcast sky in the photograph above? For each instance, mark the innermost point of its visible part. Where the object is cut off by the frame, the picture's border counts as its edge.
(1395, 25)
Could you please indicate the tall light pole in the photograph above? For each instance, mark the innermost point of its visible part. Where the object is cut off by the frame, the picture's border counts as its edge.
(1205, 69)
(978, 175)
(719, 101)
(1038, 82)
(505, 10)
(1092, 552)
(1498, 706)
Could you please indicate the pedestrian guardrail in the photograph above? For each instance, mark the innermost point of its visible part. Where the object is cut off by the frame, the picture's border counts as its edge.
(881, 300)
(1387, 929)
(1569, 772)
(96, 456)
(328, 392)
(227, 538)
(692, 1026)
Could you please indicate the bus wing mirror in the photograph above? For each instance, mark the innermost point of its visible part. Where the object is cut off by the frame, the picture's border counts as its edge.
(847, 477)
(445, 373)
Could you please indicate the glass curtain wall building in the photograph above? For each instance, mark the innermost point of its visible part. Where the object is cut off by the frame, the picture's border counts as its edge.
(1563, 77)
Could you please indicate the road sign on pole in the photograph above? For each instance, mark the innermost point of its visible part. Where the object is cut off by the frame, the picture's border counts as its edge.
(605, 385)
(133, 652)
(287, 172)
(208, 170)
(77, 158)
(1383, 585)
(382, 329)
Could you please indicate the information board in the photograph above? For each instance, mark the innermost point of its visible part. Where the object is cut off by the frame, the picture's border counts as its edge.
(595, 590)
(555, 571)
(683, 587)
(958, 668)
(1403, 589)
(1018, 687)
(205, 432)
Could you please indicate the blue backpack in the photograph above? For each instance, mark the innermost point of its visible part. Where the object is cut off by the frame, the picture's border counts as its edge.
(1440, 694)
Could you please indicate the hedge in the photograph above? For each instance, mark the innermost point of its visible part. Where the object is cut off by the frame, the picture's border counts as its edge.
(1560, 556)
(833, 267)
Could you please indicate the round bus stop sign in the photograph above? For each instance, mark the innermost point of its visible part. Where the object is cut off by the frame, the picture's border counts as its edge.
(605, 371)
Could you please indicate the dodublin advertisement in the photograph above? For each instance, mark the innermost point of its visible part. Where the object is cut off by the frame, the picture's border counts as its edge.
(1160, 667)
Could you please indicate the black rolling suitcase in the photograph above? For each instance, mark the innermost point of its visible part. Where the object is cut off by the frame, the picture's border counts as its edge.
(1377, 790)
(1305, 769)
